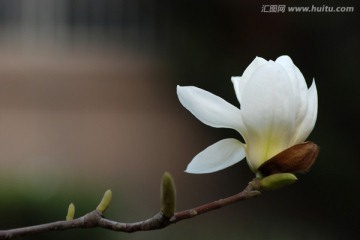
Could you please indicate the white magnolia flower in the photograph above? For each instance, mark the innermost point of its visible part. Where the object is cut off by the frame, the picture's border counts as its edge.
(277, 111)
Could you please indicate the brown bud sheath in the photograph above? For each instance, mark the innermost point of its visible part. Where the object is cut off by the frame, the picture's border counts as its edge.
(298, 158)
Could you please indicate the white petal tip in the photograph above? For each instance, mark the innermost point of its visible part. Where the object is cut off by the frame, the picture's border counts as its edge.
(178, 87)
(235, 79)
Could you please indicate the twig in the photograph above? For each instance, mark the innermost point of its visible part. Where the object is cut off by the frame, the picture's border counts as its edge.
(96, 218)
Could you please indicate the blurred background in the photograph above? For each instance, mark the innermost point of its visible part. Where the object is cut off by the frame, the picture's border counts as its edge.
(88, 102)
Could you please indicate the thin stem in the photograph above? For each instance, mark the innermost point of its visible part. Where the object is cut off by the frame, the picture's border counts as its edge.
(96, 219)
(213, 205)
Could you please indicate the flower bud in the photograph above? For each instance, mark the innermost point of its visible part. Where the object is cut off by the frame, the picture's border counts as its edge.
(277, 180)
(296, 159)
(168, 195)
(105, 201)
(71, 212)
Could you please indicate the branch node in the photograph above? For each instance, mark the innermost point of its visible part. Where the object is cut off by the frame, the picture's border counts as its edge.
(252, 194)
(254, 185)
(92, 219)
(193, 213)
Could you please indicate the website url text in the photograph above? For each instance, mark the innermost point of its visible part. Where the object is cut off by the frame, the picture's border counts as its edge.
(312, 9)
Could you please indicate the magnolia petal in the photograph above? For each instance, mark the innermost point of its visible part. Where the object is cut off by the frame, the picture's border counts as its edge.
(313, 107)
(294, 73)
(240, 82)
(300, 88)
(268, 113)
(296, 77)
(236, 82)
(209, 108)
(218, 156)
(307, 125)
(303, 98)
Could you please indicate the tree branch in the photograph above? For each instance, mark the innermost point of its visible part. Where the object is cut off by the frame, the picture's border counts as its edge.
(96, 218)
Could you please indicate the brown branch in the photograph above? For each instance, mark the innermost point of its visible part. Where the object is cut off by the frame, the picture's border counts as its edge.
(249, 192)
(96, 218)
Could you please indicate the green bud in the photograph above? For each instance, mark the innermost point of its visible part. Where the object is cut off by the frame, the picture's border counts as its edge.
(105, 201)
(168, 195)
(277, 180)
(71, 212)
